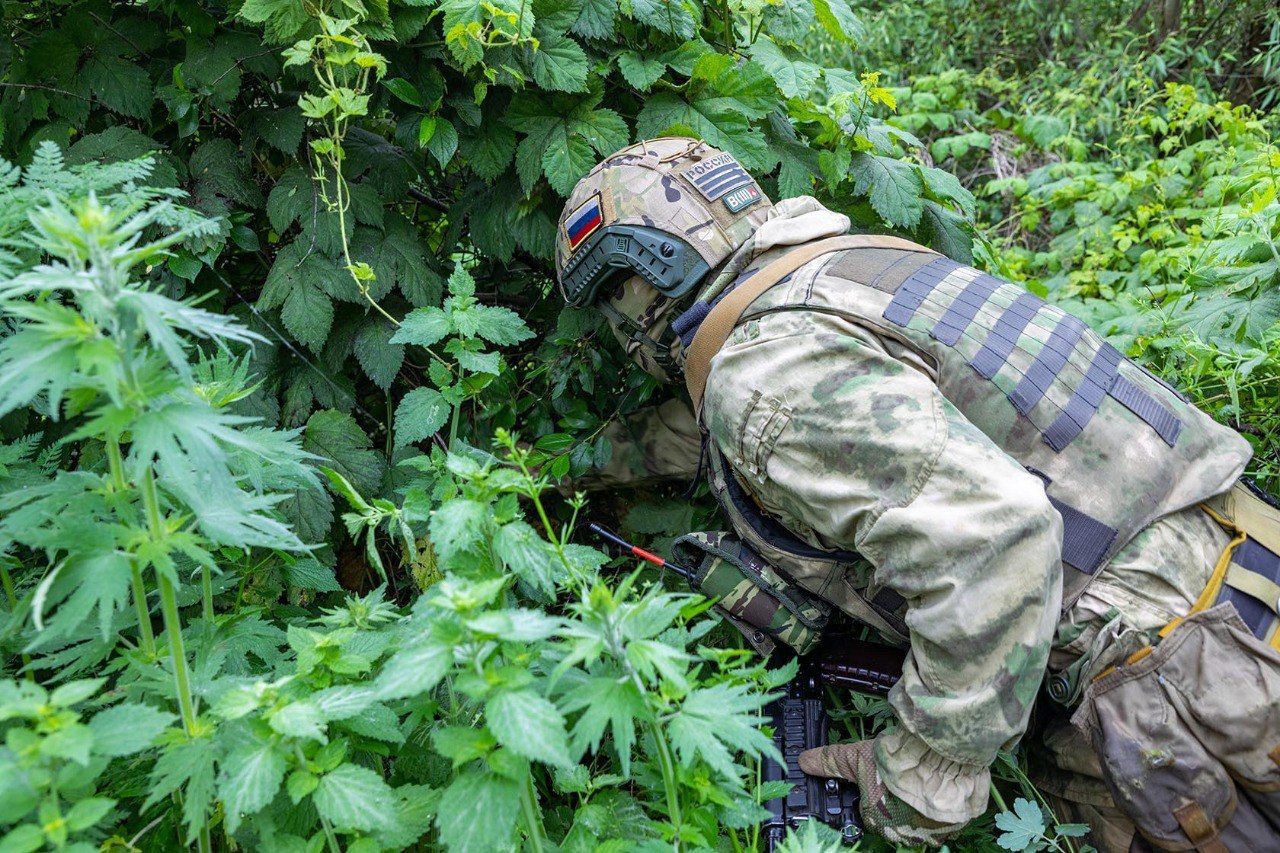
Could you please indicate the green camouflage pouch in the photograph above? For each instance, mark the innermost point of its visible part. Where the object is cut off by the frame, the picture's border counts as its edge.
(760, 602)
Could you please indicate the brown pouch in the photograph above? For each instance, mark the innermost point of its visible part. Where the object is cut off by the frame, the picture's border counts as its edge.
(1184, 735)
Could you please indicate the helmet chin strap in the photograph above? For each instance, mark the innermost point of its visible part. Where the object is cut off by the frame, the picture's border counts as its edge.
(638, 335)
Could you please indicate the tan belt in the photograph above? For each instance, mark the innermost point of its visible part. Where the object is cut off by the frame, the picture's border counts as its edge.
(719, 323)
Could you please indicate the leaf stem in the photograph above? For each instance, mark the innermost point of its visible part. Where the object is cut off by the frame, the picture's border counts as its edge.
(146, 635)
(532, 818)
(206, 594)
(173, 628)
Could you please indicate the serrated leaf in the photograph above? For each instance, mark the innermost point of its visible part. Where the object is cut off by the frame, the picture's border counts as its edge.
(893, 186)
(1020, 827)
(405, 91)
(566, 162)
(120, 84)
(674, 17)
(795, 77)
(128, 728)
(423, 326)
(528, 555)
(249, 780)
(421, 414)
(529, 725)
(597, 18)
(310, 573)
(638, 70)
(337, 437)
(380, 358)
(947, 187)
(301, 719)
(478, 812)
(559, 63)
(456, 526)
(308, 315)
(355, 798)
(413, 670)
(292, 198)
(946, 231)
(718, 106)
(838, 19)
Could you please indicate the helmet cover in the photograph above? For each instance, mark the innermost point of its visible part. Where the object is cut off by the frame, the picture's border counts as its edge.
(645, 226)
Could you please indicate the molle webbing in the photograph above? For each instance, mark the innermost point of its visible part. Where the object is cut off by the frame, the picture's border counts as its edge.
(962, 293)
(1252, 585)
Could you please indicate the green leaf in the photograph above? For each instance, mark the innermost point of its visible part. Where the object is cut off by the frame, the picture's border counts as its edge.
(478, 812)
(301, 719)
(250, 777)
(838, 19)
(675, 17)
(413, 671)
(221, 168)
(718, 106)
(423, 326)
(527, 554)
(121, 85)
(86, 813)
(597, 18)
(894, 187)
(443, 142)
(529, 725)
(461, 744)
(639, 70)
(308, 315)
(1021, 827)
(947, 187)
(291, 199)
(380, 358)
(335, 436)
(714, 722)
(559, 63)
(457, 526)
(187, 766)
(405, 91)
(946, 231)
(565, 163)
(75, 692)
(355, 798)
(128, 728)
(795, 77)
(309, 573)
(25, 838)
(421, 414)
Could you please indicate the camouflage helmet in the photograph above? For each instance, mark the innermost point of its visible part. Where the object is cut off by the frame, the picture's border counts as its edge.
(644, 228)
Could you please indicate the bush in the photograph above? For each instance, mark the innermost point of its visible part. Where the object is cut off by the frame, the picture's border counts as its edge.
(275, 284)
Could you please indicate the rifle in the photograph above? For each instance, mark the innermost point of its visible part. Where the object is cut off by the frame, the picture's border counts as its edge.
(799, 719)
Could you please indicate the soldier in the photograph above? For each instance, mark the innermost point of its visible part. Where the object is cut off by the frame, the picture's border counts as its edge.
(976, 475)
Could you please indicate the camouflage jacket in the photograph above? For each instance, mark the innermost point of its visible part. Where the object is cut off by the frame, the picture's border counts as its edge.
(853, 446)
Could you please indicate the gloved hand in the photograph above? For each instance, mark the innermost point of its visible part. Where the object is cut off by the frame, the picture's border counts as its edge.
(882, 812)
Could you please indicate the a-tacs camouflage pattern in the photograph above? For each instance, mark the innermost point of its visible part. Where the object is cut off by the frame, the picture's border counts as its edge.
(944, 456)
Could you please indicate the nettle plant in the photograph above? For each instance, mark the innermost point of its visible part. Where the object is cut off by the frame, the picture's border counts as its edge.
(524, 694)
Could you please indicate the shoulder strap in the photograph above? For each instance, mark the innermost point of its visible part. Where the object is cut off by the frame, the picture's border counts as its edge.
(719, 323)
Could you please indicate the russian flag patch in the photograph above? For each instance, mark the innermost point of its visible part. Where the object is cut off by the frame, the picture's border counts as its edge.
(583, 222)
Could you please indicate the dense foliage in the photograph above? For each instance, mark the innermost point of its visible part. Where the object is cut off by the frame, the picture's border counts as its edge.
(284, 387)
